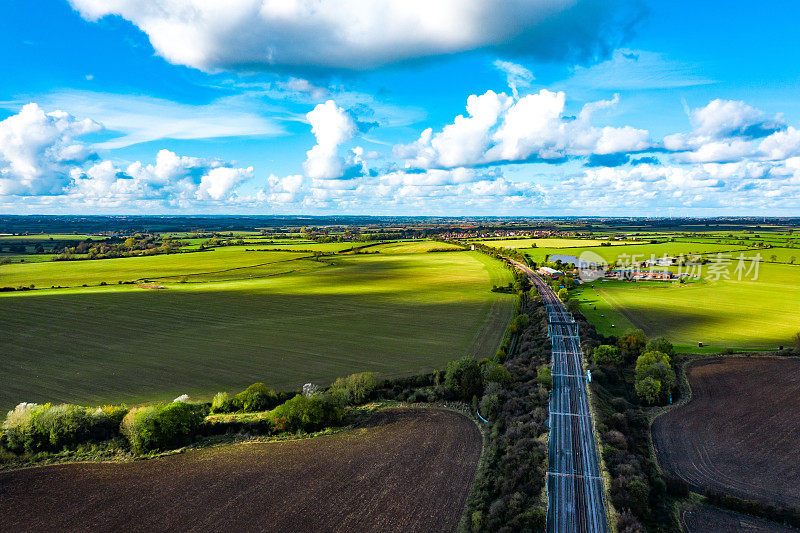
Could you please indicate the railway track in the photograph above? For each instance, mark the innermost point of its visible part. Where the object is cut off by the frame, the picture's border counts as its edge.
(575, 494)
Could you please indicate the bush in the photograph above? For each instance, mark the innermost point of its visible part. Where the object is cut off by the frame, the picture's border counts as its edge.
(221, 403)
(463, 378)
(161, 426)
(302, 413)
(256, 397)
(355, 389)
(33, 428)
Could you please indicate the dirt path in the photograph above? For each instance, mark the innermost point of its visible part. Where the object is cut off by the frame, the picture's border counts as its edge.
(410, 470)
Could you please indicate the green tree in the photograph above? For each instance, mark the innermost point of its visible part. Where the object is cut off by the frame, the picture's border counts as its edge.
(631, 344)
(607, 355)
(648, 389)
(655, 366)
(544, 376)
(463, 377)
(496, 373)
(660, 345)
(572, 305)
(563, 295)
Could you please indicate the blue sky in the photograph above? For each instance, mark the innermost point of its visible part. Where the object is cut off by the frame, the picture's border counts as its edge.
(541, 107)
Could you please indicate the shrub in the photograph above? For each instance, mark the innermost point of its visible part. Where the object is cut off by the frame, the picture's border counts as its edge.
(221, 403)
(463, 378)
(33, 428)
(161, 426)
(355, 389)
(302, 413)
(256, 397)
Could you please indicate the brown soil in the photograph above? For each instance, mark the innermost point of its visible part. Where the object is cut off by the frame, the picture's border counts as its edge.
(409, 470)
(740, 433)
(706, 519)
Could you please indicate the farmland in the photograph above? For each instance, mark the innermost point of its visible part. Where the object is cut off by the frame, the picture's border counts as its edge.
(738, 433)
(367, 479)
(229, 317)
(704, 519)
(705, 311)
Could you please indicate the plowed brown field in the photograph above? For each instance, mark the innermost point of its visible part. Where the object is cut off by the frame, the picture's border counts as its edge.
(704, 519)
(409, 470)
(740, 432)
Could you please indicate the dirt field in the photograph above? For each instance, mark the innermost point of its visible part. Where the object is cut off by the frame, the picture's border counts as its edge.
(410, 470)
(706, 519)
(740, 433)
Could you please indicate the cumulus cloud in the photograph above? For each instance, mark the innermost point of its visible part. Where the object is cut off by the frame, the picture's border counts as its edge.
(38, 148)
(332, 126)
(360, 34)
(722, 131)
(173, 179)
(499, 128)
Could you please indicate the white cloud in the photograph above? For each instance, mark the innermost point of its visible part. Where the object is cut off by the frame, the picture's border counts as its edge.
(636, 70)
(144, 118)
(722, 131)
(517, 76)
(38, 148)
(172, 180)
(361, 34)
(332, 126)
(499, 128)
(781, 144)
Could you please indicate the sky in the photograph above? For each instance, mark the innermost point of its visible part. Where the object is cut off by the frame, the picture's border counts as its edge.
(379, 107)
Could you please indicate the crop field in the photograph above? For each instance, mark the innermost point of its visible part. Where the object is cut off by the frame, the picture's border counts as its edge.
(111, 271)
(313, 246)
(717, 313)
(223, 322)
(627, 252)
(738, 433)
(544, 243)
(412, 247)
(366, 479)
(705, 519)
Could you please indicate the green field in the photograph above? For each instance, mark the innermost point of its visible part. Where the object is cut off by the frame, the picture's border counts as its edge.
(412, 247)
(543, 243)
(110, 271)
(760, 314)
(224, 322)
(640, 252)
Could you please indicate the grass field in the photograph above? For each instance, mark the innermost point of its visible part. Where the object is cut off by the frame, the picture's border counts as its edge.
(640, 252)
(76, 273)
(412, 247)
(231, 324)
(722, 314)
(543, 243)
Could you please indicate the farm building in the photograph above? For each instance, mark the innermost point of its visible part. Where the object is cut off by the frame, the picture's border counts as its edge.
(550, 272)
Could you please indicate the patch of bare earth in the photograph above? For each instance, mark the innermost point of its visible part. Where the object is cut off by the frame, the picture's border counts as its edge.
(408, 470)
(704, 519)
(740, 433)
